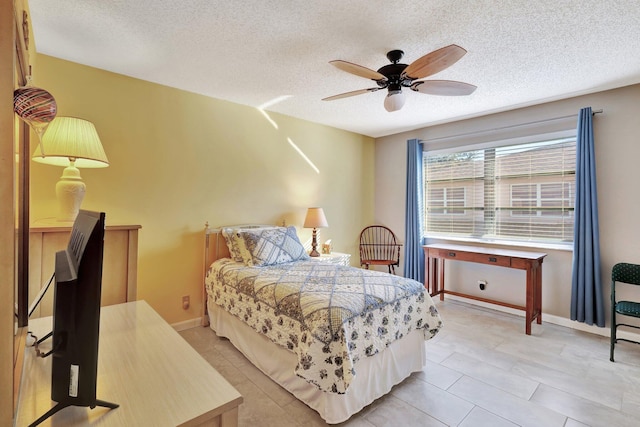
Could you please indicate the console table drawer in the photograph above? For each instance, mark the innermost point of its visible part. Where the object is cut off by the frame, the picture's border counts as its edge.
(503, 261)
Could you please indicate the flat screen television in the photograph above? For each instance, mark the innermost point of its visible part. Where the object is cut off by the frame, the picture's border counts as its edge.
(76, 316)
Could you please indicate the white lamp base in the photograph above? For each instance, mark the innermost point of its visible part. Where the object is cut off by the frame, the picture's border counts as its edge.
(70, 191)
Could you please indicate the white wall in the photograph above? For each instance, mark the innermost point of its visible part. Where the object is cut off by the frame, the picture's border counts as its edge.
(617, 139)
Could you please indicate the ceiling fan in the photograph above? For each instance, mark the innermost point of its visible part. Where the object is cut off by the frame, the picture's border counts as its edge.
(395, 76)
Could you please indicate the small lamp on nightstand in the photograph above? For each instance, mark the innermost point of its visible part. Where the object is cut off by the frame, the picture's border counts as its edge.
(315, 219)
(71, 143)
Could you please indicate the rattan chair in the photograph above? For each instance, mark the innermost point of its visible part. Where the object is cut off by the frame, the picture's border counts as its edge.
(379, 246)
(629, 274)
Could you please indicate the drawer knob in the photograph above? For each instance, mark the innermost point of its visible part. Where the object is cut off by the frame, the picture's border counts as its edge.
(452, 254)
(492, 259)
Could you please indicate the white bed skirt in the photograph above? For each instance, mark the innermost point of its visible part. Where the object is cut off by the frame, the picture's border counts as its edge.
(375, 376)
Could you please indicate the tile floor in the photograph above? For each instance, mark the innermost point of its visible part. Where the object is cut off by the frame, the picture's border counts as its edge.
(482, 370)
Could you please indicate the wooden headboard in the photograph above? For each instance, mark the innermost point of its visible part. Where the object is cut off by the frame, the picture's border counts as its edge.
(216, 248)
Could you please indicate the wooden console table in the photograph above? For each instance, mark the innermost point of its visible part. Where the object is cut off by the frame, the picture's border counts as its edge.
(145, 366)
(531, 262)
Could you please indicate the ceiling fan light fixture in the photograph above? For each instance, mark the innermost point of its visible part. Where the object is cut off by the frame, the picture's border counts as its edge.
(394, 100)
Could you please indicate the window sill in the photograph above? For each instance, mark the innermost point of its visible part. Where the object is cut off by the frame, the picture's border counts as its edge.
(567, 247)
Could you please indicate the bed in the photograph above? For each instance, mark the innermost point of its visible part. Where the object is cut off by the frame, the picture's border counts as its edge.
(336, 337)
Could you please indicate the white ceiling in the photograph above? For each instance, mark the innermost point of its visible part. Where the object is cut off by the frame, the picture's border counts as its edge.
(257, 52)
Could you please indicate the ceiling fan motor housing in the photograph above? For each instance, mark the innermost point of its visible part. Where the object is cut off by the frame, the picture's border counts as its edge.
(393, 73)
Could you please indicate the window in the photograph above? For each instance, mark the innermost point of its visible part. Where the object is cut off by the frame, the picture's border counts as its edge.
(445, 200)
(519, 192)
(542, 199)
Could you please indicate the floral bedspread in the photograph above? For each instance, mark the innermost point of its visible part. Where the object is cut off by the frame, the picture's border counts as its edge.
(329, 315)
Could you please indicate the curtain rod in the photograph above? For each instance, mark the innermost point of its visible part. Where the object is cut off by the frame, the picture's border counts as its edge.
(480, 132)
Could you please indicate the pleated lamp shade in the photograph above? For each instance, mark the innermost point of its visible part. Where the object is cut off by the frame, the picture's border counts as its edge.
(71, 138)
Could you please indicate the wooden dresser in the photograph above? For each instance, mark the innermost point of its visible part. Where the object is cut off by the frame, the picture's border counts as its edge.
(144, 366)
(120, 264)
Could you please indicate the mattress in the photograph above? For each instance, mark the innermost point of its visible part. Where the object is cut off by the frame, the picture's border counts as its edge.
(329, 317)
(376, 374)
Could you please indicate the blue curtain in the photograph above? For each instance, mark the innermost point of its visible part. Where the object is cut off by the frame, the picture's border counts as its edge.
(413, 252)
(587, 304)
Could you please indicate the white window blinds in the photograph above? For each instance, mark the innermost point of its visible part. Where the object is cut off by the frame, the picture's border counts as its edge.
(522, 192)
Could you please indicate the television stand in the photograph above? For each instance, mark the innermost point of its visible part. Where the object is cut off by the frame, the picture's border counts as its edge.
(61, 406)
(144, 365)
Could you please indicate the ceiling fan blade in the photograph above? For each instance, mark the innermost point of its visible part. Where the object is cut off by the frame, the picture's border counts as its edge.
(358, 70)
(352, 93)
(443, 87)
(434, 62)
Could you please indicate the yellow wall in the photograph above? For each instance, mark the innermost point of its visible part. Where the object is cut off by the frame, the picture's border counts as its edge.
(178, 159)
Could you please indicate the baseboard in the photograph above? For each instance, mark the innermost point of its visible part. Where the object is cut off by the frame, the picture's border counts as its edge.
(550, 318)
(187, 324)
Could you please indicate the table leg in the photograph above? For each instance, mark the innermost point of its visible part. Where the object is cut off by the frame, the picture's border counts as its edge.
(434, 287)
(530, 300)
(440, 262)
(229, 418)
(427, 273)
(539, 292)
(434, 276)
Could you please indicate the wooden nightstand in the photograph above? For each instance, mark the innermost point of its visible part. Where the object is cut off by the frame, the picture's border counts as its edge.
(120, 265)
(334, 258)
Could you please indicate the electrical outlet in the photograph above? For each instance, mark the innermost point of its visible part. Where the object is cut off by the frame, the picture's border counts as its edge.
(482, 284)
(186, 302)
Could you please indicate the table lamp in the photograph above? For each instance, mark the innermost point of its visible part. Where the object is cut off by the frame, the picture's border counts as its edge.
(72, 143)
(315, 219)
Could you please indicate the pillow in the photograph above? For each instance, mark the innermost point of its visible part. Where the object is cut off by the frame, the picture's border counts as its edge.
(233, 237)
(271, 246)
(233, 243)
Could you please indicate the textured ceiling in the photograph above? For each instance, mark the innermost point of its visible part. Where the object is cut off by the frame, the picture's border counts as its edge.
(276, 54)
